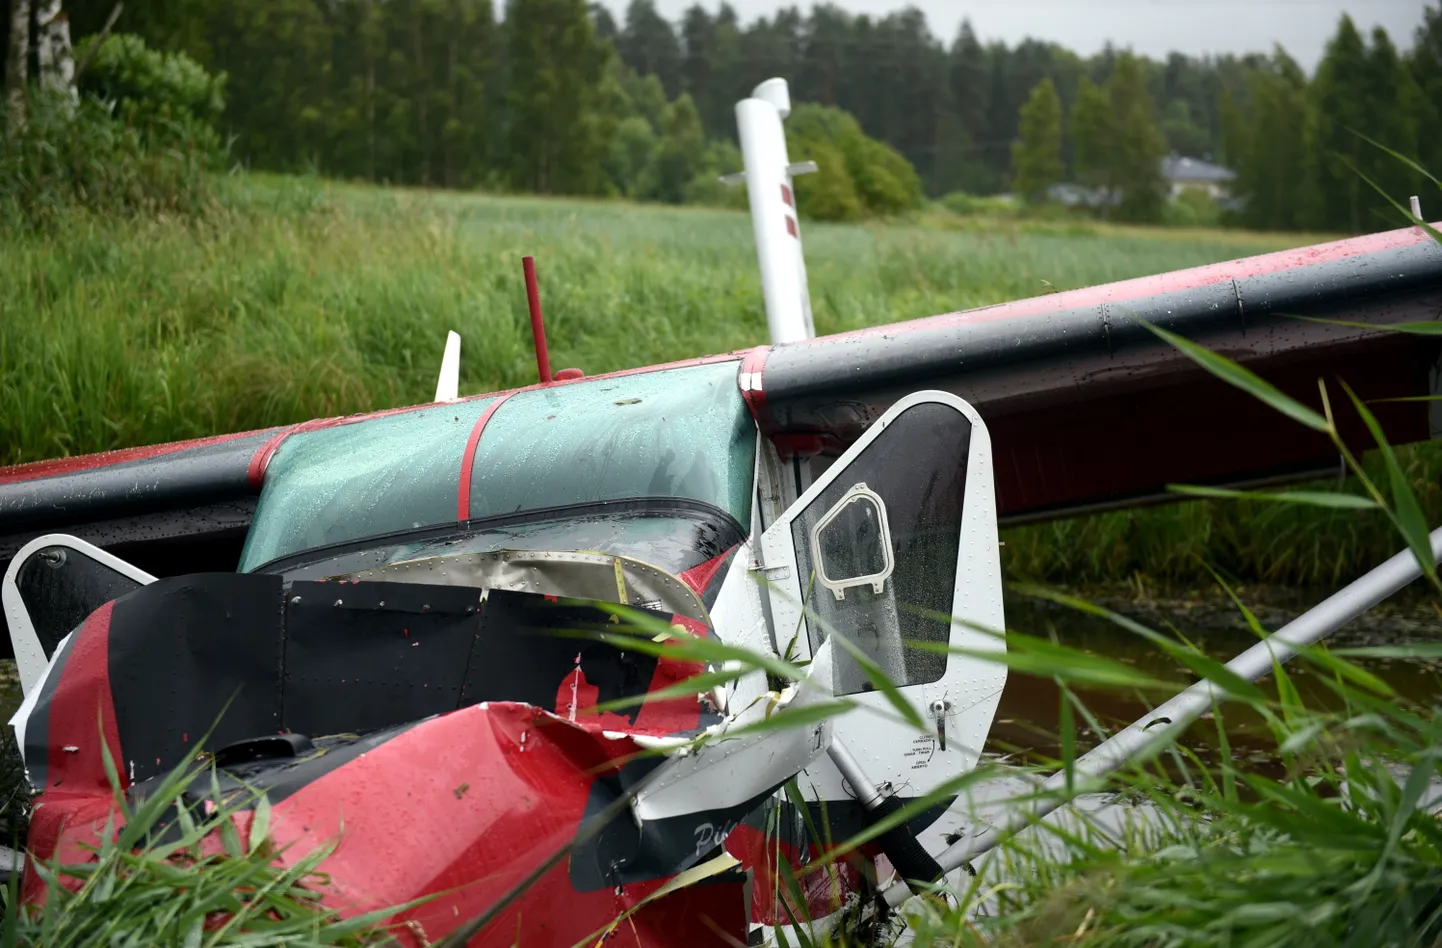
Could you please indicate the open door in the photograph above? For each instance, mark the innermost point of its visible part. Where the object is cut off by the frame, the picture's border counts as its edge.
(895, 544)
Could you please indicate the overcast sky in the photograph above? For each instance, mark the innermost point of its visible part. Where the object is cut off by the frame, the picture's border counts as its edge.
(1151, 27)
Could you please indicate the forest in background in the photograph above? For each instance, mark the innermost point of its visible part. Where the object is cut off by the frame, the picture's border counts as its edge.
(555, 96)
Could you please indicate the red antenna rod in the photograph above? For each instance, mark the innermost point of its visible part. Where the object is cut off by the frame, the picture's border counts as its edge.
(538, 324)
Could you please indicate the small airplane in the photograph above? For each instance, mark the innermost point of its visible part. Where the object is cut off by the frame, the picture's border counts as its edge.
(360, 611)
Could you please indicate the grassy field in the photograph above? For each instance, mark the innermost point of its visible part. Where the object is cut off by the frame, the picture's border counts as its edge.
(297, 299)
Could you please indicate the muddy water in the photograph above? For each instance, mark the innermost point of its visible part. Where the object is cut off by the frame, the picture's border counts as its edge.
(1027, 720)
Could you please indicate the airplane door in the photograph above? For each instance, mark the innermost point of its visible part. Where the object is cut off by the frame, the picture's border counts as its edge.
(896, 544)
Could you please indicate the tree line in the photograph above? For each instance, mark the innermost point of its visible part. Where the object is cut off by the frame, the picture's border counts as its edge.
(557, 96)
(1330, 153)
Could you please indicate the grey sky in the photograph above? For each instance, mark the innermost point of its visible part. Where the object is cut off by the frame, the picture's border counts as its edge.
(1152, 27)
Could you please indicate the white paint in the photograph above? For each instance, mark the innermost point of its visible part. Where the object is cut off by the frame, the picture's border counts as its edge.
(773, 219)
(726, 770)
(970, 688)
(30, 658)
(448, 385)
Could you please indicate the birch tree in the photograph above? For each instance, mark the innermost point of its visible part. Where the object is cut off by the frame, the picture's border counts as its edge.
(54, 52)
(17, 62)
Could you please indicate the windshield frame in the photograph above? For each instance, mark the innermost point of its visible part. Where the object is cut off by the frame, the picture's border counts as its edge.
(643, 506)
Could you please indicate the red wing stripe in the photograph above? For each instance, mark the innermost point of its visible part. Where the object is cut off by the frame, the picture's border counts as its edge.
(468, 460)
(261, 459)
(86, 462)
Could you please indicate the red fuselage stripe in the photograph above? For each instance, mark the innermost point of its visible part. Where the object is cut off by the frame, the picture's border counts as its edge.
(468, 460)
(36, 470)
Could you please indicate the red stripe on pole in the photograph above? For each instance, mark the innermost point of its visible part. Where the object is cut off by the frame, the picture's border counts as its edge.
(538, 325)
(786, 196)
(791, 226)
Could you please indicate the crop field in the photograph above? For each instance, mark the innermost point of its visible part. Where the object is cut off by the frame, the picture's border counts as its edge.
(294, 299)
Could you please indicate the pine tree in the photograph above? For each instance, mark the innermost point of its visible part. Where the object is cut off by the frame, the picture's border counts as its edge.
(604, 22)
(1139, 146)
(1425, 63)
(1267, 146)
(1092, 139)
(698, 42)
(1361, 93)
(277, 54)
(1036, 156)
(648, 45)
(556, 138)
(1339, 104)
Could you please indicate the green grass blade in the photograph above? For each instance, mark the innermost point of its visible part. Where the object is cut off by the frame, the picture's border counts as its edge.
(1337, 501)
(1406, 510)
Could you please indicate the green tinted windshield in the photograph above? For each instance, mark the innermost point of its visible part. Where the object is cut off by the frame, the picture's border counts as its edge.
(676, 433)
(681, 433)
(376, 476)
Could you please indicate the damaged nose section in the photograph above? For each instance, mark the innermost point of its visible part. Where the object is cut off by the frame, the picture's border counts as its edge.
(744, 758)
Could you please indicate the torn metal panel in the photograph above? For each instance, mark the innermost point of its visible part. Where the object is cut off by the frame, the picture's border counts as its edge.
(598, 576)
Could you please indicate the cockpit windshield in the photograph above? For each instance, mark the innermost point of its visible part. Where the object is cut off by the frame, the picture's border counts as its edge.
(682, 435)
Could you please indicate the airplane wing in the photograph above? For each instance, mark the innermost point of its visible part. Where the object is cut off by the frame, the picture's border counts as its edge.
(1086, 408)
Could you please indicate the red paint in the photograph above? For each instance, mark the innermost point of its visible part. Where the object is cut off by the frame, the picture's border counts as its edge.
(786, 196)
(824, 889)
(260, 460)
(1171, 282)
(468, 460)
(538, 323)
(522, 801)
(566, 375)
(77, 793)
(799, 445)
(753, 368)
(699, 578)
(57, 467)
(791, 226)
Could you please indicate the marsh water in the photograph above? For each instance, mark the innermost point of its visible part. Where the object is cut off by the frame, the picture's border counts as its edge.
(1027, 721)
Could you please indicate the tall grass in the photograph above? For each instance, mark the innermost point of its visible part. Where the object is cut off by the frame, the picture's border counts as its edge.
(295, 299)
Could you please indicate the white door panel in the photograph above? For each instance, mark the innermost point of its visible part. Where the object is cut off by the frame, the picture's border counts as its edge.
(893, 545)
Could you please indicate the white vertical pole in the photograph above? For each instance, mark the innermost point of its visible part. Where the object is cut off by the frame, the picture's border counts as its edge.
(773, 211)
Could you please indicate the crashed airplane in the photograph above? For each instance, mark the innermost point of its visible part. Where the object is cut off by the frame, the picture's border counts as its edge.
(401, 627)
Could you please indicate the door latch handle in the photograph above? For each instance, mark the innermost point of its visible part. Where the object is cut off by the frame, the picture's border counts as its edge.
(939, 710)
